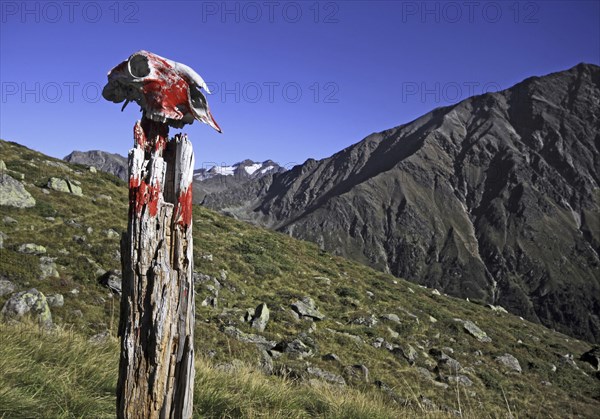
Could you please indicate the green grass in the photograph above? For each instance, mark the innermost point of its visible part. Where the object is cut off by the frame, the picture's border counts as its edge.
(261, 266)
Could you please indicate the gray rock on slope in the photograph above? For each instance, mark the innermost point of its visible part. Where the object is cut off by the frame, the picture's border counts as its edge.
(13, 193)
(6, 287)
(461, 198)
(28, 302)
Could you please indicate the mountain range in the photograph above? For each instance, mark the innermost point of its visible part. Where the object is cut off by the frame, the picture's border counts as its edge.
(494, 199)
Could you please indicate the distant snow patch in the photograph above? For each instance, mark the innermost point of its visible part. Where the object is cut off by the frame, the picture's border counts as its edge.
(252, 168)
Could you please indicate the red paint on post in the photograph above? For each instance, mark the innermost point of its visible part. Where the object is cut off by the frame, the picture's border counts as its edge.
(139, 135)
(184, 207)
(153, 198)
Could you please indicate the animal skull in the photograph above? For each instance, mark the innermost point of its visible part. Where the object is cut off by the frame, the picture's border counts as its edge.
(167, 91)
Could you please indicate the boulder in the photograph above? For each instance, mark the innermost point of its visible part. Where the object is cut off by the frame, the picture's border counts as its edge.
(48, 268)
(510, 362)
(391, 317)
(260, 317)
(306, 308)
(295, 349)
(13, 193)
(356, 373)
(368, 321)
(463, 380)
(476, 332)
(331, 357)
(112, 280)
(210, 302)
(100, 338)
(6, 287)
(55, 300)
(326, 376)
(65, 185)
(9, 220)
(258, 340)
(111, 234)
(28, 302)
(31, 249)
(407, 352)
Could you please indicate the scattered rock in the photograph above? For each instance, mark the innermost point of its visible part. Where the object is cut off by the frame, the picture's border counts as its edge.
(476, 332)
(210, 302)
(9, 220)
(446, 365)
(306, 308)
(568, 360)
(266, 362)
(6, 287)
(356, 373)
(463, 380)
(13, 193)
(59, 165)
(2, 238)
(295, 349)
(391, 317)
(111, 234)
(592, 357)
(260, 317)
(207, 257)
(407, 352)
(391, 393)
(48, 268)
(99, 338)
(497, 309)
(393, 333)
(368, 321)
(92, 169)
(377, 343)
(24, 302)
(258, 340)
(331, 357)
(65, 185)
(326, 376)
(112, 280)
(55, 300)
(435, 292)
(510, 362)
(31, 249)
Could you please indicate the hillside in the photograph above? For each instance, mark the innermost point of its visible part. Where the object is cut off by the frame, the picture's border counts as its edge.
(496, 198)
(336, 331)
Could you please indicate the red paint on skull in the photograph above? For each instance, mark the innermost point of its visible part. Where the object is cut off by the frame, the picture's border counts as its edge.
(184, 207)
(167, 91)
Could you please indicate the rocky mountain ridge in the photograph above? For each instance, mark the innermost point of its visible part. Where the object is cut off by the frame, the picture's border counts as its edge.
(495, 198)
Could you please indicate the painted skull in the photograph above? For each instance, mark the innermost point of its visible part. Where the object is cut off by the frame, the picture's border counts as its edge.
(167, 91)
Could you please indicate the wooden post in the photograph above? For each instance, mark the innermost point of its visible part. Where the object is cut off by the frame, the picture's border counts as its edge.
(156, 368)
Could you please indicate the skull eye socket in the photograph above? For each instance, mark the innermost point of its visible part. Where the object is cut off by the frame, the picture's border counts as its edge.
(138, 66)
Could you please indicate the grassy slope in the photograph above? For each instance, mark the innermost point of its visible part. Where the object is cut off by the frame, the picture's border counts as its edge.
(261, 266)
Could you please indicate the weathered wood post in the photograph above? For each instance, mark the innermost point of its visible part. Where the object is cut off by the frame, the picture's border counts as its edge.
(156, 371)
(156, 368)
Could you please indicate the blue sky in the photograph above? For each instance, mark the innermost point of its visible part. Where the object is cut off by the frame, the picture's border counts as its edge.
(291, 79)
